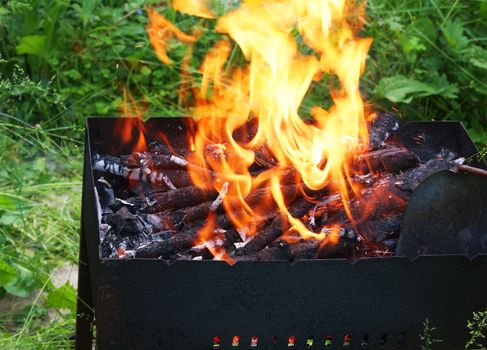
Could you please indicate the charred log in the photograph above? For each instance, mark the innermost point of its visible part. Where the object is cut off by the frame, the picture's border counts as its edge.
(201, 211)
(381, 229)
(179, 198)
(275, 229)
(381, 128)
(164, 249)
(278, 251)
(389, 159)
(410, 179)
(304, 249)
(345, 248)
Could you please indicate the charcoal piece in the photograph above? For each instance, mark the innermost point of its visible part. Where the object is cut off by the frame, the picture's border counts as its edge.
(391, 159)
(161, 148)
(164, 249)
(174, 220)
(135, 160)
(202, 253)
(114, 246)
(106, 197)
(201, 211)
(264, 157)
(380, 229)
(345, 248)
(120, 242)
(391, 244)
(133, 204)
(410, 179)
(124, 223)
(163, 179)
(230, 238)
(194, 213)
(161, 161)
(163, 220)
(275, 229)
(247, 131)
(179, 198)
(109, 164)
(382, 198)
(221, 221)
(304, 249)
(278, 251)
(164, 171)
(381, 128)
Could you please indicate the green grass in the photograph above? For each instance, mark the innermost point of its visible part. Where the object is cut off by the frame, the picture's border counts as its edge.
(39, 219)
(63, 60)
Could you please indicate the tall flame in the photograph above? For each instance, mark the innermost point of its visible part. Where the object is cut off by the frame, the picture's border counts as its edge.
(271, 89)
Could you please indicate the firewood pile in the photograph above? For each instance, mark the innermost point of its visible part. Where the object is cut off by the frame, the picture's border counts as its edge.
(150, 208)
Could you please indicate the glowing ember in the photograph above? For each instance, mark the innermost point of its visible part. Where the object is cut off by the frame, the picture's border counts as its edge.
(271, 88)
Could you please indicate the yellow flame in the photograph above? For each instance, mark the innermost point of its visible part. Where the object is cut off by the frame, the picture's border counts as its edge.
(193, 7)
(271, 88)
(161, 31)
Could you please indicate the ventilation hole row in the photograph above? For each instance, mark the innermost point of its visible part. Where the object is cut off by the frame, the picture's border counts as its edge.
(291, 341)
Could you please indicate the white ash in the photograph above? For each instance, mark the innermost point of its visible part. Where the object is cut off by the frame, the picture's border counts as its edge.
(155, 220)
(239, 245)
(168, 182)
(243, 233)
(178, 161)
(219, 200)
(98, 206)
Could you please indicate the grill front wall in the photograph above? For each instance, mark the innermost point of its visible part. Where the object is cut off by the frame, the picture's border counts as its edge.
(149, 305)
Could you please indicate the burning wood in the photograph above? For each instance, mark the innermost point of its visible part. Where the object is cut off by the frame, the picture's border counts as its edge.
(276, 228)
(389, 159)
(163, 213)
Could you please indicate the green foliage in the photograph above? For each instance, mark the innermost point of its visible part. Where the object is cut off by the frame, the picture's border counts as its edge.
(39, 220)
(23, 284)
(478, 331)
(7, 273)
(398, 89)
(427, 338)
(429, 60)
(63, 297)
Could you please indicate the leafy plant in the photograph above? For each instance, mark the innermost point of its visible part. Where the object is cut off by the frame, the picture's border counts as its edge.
(429, 60)
(477, 330)
(427, 339)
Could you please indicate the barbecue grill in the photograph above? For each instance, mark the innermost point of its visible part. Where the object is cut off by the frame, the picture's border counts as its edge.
(371, 303)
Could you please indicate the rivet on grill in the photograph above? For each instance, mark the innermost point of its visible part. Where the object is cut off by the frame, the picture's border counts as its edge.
(365, 341)
(383, 339)
(274, 342)
(291, 341)
(216, 342)
(309, 342)
(254, 342)
(235, 341)
(402, 339)
(347, 340)
(328, 341)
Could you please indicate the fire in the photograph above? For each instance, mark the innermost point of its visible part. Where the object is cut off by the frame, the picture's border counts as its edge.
(131, 109)
(269, 90)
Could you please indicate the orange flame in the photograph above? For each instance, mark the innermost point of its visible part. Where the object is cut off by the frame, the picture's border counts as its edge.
(193, 7)
(131, 109)
(271, 88)
(161, 31)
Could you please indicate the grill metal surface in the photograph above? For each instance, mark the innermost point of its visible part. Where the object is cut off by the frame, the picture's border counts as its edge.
(148, 304)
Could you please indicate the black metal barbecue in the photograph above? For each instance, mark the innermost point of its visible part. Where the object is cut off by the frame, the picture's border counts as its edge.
(372, 303)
